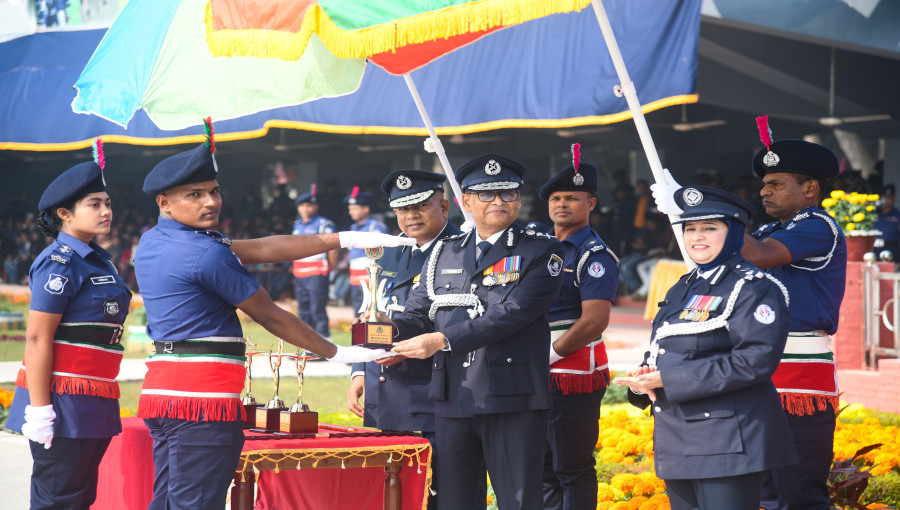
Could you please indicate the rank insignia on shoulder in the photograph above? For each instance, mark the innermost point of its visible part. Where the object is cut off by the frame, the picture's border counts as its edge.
(218, 236)
(57, 258)
(65, 249)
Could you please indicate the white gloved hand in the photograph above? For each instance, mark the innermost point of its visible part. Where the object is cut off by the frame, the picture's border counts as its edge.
(554, 356)
(38, 424)
(350, 239)
(664, 194)
(357, 354)
(467, 225)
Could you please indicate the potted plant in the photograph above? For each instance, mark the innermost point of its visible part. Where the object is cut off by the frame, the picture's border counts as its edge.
(855, 213)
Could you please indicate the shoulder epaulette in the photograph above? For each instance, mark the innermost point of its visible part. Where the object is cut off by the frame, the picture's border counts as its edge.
(535, 234)
(586, 255)
(62, 254)
(217, 236)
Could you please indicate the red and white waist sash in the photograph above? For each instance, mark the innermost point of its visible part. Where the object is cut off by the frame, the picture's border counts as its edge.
(583, 371)
(358, 274)
(806, 378)
(83, 368)
(195, 387)
(303, 268)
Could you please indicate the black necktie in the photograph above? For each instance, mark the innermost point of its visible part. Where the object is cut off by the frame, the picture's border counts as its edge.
(483, 247)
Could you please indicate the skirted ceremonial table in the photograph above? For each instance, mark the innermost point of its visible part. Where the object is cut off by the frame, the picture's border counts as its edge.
(340, 467)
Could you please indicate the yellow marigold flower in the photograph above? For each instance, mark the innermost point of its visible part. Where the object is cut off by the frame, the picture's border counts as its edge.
(605, 505)
(624, 481)
(126, 413)
(873, 197)
(837, 194)
(605, 492)
(609, 455)
(636, 502)
(6, 398)
(851, 226)
(831, 213)
(870, 208)
(490, 499)
(829, 202)
(858, 217)
(621, 505)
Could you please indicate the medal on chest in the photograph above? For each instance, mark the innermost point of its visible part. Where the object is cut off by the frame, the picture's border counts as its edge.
(699, 307)
(504, 271)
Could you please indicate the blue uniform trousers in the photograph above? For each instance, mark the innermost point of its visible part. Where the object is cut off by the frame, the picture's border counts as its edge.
(312, 296)
(509, 445)
(356, 298)
(570, 480)
(65, 476)
(195, 462)
(803, 486)
(739, 492)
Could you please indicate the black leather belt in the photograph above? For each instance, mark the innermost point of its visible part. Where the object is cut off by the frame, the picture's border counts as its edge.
(101, 335)
(194, 347)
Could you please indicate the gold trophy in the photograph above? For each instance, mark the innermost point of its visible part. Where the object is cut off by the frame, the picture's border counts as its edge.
(299, 419)
(249, 401)
(268, 417)
(373, 334)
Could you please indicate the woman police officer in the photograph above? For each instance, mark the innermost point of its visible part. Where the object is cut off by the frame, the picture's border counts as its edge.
(66, 395)
(716, 342)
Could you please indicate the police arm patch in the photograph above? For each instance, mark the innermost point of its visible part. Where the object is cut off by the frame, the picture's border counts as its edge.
(764, 314)
(554, 265)
(56, 284)
(596, 269)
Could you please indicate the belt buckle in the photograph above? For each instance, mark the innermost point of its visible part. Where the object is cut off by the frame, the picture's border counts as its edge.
(168, 348)
(117, 334)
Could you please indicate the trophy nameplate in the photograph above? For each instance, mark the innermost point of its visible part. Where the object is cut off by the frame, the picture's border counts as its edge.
(268, 416)
(249, 401)
(372, 333)
(299, 419)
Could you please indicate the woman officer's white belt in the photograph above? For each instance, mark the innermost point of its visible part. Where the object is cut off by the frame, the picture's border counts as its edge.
(807, 342)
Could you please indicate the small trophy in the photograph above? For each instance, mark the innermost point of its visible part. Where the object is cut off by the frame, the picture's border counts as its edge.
(268, 417)
(249, 401)
(373, 334)
(299, 419)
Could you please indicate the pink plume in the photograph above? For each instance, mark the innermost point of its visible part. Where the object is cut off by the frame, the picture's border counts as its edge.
(843, 165)
(99, 158)
(576, 155)
(765, 132)
(312, 190)
(354, 192)
(210, 135)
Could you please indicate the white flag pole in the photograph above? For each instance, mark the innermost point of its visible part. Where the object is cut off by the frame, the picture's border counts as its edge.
(436, 144)
(627, 88)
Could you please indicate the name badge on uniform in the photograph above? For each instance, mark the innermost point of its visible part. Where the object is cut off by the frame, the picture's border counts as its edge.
(103, 280)
(503, 271)
(389, 274)
(451, 271)
(699, 306)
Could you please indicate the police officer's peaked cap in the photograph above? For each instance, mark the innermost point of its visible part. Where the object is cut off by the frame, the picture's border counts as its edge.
(360, 198)
(567, 179)
(888, 190)
(796, 157)
(490, 172)
(306, 198)
(410, 187)
(74, 183)
(196, 165)
(705, 203)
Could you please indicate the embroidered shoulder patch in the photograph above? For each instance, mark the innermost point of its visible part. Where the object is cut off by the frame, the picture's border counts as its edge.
(596, 269)
(57, 258)
(56, 284)
(764, 314)
(554, 265)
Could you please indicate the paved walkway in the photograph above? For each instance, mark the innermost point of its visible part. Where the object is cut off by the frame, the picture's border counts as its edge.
(625, 338)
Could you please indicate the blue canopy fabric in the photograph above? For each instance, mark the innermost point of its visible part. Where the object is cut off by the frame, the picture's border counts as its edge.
(548, 73)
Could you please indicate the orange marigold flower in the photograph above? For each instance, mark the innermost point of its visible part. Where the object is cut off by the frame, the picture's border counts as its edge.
(605, 492)
(605, 505)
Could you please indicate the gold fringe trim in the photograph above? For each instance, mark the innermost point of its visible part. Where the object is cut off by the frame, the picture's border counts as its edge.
(450, 21)
(419, 453)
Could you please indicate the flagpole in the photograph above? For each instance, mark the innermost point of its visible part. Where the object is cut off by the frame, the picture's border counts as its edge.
(436, 144)
(627, 88)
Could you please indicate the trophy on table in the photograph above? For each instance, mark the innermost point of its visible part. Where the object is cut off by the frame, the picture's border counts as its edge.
(249, 401)
(267, 417)
(299, 419)
(373, 334)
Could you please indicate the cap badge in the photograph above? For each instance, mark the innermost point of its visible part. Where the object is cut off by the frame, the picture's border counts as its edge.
(771, 159)
(578, 179)
(403, 182)
(352, 201)
(492, 167)
(692, 197)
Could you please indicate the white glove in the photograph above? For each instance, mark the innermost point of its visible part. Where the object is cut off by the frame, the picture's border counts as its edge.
(39, 424)
(350, 239)
(467, 225)
(357, 354)
(664, 194)
(554, 356)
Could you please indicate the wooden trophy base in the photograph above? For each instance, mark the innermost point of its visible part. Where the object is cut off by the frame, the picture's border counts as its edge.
(374, 335)
(250, 413)
(305, 422)
(268, 419)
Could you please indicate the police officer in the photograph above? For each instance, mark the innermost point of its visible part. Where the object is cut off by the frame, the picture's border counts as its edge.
(480, 308)
(888, 222)
(190, 397)
(579, 369)
(359, 206)
(396, 390)
(716, 341)
(66, 402)
(311, 273)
